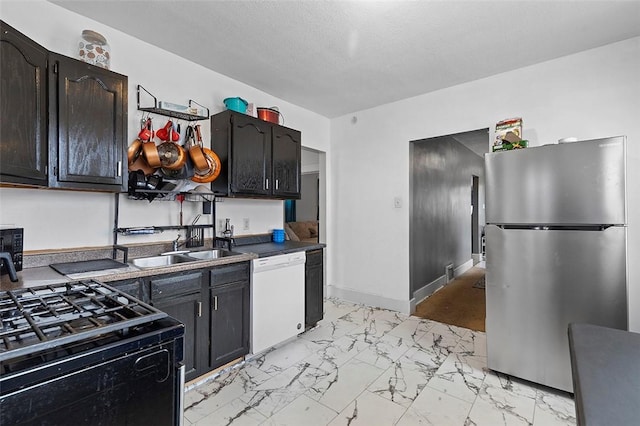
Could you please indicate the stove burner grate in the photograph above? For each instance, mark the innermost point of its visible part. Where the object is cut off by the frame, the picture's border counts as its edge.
(39, 318)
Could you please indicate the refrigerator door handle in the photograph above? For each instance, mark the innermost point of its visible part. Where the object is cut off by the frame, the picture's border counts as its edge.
(557, 227)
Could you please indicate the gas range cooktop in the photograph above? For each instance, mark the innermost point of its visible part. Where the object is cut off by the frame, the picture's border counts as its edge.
(45, 317)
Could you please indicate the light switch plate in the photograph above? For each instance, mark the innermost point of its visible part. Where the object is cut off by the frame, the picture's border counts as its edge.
(397, 202)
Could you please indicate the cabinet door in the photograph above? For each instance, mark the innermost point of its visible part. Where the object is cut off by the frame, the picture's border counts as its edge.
(250, 156)
(313, 285)
(133, 287)
(229, 322)
(180, 296)
(23, 109)
(87, 132)
(188, 310)
(286, 168)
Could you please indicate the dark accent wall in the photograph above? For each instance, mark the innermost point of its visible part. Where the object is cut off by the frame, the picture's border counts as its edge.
(440, 223)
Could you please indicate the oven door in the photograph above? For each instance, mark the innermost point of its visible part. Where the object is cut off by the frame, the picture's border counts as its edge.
(109, 386)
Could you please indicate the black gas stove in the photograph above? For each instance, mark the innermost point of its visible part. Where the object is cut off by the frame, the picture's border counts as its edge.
(69, 350)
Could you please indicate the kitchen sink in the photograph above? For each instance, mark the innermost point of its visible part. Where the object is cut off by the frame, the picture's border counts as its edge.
(211, 254)
(164, 260)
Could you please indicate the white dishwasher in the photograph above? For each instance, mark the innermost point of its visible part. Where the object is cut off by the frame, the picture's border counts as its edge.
(277, 299)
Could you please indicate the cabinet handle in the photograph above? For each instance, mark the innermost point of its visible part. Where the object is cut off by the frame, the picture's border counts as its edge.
(277, 183)
(267, 184)
(119, 168)
(215, 303)
(199, 309)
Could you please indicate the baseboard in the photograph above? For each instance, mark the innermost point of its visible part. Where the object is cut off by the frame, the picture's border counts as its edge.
(403, 306)
(368, 299)
(463, 268)
(423, 292)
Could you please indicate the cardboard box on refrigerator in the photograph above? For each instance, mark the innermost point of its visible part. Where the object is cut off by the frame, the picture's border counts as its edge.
(509, 135)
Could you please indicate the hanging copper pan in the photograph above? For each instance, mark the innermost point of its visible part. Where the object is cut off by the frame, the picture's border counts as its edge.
(150, 152)
(195, 148)
(141, 164)
(213, 169)
(134, 150)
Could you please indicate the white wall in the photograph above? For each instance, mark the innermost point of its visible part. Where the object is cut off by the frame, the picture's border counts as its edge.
(64, 219)
(588, 95)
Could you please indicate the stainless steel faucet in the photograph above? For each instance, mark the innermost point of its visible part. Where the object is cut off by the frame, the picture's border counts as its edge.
(176, 243)
(228, 229)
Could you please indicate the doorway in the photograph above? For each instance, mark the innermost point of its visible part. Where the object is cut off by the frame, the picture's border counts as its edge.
(447, 206)
(311, 207)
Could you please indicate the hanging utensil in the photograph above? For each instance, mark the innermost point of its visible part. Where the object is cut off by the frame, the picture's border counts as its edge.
(180, 198)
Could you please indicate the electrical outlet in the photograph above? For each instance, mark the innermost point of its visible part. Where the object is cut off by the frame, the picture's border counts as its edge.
(245, 224)
(220, 225)
(397, 202)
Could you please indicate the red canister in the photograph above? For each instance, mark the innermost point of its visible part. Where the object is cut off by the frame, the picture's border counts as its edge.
(269, 114)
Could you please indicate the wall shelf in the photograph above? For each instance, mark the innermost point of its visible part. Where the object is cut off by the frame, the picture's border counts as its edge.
(159, 195)
(156, 109)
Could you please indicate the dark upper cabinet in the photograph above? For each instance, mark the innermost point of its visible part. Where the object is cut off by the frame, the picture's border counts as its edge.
(259, 159)
(286, 148)
(23, 109)
(250, 156)
(87, 126)
(313, 286)
(64, 122)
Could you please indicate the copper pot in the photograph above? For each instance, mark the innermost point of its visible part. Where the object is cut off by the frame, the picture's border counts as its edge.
(269, 114)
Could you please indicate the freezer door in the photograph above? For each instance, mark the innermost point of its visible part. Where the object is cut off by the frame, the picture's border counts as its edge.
(573, 183)
(539, 281)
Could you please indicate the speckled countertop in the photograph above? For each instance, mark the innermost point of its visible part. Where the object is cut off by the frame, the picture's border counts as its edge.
(37, 271)
(44, 275)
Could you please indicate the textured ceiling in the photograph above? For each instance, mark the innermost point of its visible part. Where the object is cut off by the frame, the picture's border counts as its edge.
(337, 57)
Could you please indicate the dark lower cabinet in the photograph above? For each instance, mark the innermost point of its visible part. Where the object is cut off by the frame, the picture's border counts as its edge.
(134, 287)
(180, 296)
(230, 300)
(214, 306)
(229, 322)
(313, 286)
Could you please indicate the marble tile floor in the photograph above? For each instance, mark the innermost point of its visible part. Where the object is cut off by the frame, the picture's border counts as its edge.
(369, 366)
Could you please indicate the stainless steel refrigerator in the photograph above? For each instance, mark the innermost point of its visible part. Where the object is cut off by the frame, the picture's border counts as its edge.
(555, 253)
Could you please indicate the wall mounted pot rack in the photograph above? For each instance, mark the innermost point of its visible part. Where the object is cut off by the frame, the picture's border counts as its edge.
(157, 109)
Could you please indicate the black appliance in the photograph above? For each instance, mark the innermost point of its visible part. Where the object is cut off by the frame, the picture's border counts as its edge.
(11, 243)
(84, 353)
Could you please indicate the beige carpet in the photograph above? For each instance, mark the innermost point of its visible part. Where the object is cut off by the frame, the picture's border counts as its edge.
(458, 303)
